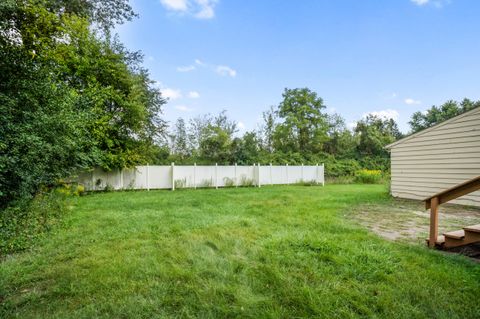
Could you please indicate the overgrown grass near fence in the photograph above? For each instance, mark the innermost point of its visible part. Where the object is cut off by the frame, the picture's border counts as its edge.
(273, 252)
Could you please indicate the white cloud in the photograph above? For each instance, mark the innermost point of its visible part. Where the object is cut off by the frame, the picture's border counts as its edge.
(200, 9)
(241, 125)
(193, 94)
(199, 62)
(224, 70)
(410, 101)
(186, 68)
(206, 9)
(436, 3)
(420, 2)
(175, 5)
(183, 108)
(384, 114)
(171, 94)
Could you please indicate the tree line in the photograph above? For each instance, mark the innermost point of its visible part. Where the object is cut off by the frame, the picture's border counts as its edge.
(298, 130)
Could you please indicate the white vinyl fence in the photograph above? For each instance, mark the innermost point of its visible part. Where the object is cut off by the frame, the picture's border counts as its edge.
(193, 176)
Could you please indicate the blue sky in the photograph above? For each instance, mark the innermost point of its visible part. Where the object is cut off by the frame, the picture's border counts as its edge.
(390, 57)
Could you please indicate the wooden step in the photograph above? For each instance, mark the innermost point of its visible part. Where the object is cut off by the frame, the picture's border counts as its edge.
(454, 238)
(468, 235)
(472, 234)
(473, 228)
(457, 234)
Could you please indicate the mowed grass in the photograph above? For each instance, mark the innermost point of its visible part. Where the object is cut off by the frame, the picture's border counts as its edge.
(273, 252)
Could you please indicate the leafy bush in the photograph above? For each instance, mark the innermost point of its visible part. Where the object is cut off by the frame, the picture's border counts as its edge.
(22, 224)
(366, 176)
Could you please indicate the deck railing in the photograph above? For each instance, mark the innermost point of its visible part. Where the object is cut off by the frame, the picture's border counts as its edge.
(443, 197)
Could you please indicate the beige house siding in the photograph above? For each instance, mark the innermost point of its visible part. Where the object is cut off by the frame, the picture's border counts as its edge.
(438, 158)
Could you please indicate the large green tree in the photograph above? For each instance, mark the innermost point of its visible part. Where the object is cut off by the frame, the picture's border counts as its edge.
(303, 127)
(374, 133)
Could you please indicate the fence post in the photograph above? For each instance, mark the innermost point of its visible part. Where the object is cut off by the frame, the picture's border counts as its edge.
(173, 176)
(236, 180)
(271, 178)
(317, 174)
(121, 179)
(258, 175)
(287, 174)
(194, 175)
(323, 174)
(147, 182)
(216, 176)
(302, 173)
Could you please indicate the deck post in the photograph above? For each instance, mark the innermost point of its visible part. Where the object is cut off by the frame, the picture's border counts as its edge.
(433, 222)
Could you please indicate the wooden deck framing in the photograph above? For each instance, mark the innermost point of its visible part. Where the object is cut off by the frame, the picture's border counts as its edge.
(443, 197)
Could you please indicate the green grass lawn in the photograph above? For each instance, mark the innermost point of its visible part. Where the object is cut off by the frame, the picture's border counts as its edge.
(273, 252)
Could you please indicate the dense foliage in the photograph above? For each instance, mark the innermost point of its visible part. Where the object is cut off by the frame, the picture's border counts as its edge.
(71, 96)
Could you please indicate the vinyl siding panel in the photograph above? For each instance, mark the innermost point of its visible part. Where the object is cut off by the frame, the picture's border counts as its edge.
(437, 159)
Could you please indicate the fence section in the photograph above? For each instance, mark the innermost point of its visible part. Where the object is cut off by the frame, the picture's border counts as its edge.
(193, 176)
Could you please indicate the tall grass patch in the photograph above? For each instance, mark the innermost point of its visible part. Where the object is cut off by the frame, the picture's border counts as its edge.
(367, 176)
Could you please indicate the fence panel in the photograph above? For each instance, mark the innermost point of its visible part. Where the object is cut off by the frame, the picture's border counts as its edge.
(160, 176)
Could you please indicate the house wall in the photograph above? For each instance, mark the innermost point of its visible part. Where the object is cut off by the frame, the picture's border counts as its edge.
(437, 159)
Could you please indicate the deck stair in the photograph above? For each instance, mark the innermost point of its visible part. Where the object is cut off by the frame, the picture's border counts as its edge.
(465, 236)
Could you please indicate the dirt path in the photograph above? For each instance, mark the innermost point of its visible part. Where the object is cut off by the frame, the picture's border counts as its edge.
(407, 220)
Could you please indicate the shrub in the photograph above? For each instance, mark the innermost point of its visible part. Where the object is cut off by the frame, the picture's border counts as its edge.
(366, 176)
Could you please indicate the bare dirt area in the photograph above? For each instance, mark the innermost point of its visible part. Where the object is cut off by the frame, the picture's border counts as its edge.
(407, 220)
